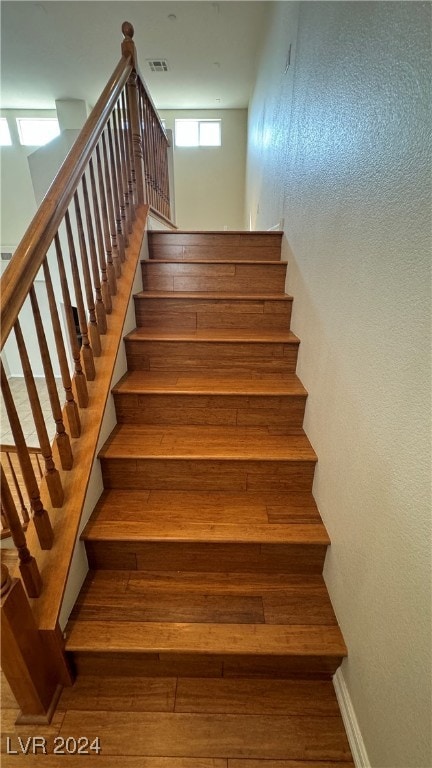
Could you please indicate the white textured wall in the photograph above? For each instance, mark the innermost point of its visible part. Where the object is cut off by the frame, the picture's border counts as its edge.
(210, 181)
(338, 147)
(18, 205)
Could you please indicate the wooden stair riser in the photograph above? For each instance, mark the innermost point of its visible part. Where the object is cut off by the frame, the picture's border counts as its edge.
(206, 665)
(214, 246)
(241, 410)
(234, 277)
(206, 356)
(196, 314)
(215, 558)
(209, 475)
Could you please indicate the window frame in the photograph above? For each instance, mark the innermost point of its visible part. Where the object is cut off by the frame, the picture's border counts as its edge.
(199, 121)
(28, 120)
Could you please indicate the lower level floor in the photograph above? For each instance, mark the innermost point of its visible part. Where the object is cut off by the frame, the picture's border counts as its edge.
(171, 722)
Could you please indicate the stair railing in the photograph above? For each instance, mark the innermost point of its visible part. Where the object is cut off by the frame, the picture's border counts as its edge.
(77, 243)
(16, 486)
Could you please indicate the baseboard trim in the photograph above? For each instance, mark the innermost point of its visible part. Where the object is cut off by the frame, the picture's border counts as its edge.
(355, 738)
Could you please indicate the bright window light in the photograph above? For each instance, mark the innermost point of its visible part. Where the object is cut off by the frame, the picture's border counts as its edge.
(210, 133)
(186, 133)
(5, 137)
(37, 131)
(198, 133)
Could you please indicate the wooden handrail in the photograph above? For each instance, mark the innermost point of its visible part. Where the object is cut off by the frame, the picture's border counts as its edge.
(19, 276)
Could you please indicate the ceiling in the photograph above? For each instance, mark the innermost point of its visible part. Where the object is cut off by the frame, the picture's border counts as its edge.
(59, 49)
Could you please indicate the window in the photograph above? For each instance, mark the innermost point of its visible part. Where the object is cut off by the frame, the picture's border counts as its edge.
(198, 133)
(37, 131)
(5, 137)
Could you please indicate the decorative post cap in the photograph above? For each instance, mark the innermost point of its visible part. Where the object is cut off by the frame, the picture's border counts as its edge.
(128, 45)
(128, 30)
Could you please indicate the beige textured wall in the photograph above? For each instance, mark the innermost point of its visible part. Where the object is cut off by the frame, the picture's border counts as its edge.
(210, 181)
(338, 148)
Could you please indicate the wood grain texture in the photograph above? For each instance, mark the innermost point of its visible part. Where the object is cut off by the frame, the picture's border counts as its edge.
(198, 557)
(214, 443)
(243, 696)
(141, 382)
(288, 764)
(112, 761)
(232, 237)
(212, 410)
(249, 600)
(242, 352)
(195, 507)
(147, 582)
(206, 474)
(233, 533)
(112, 693)
(175, 607)
(207, 665)
(220, 311)
(238, 277)
(215, 336)
(237, 246)
(148, 665)
(231, 639)
(215, 252)
(254, 736)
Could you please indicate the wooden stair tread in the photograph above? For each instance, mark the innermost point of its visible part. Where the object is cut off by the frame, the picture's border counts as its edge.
(140, 382)
(216, 262)
(226, 507)
(222, 443)
(227, 336)
(219, 232)
(224, 600)
(213, 295)
(205, 638)
(235, 533)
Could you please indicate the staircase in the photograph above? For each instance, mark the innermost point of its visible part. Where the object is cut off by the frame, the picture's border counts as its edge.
(206, 548)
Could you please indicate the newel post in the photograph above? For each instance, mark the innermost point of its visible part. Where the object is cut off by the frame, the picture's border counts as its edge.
(24, 659)
(128, 49)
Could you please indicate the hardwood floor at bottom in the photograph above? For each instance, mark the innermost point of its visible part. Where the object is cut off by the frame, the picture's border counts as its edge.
(221, 724)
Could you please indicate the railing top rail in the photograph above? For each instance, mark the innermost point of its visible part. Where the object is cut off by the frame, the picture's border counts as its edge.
(30, 253)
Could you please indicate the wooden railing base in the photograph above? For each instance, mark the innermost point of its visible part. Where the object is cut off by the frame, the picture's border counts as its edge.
(54, 644)
(41, 719)
(25, 663)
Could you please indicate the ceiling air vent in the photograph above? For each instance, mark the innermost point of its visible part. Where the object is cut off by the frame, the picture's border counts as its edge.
(158, 65)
